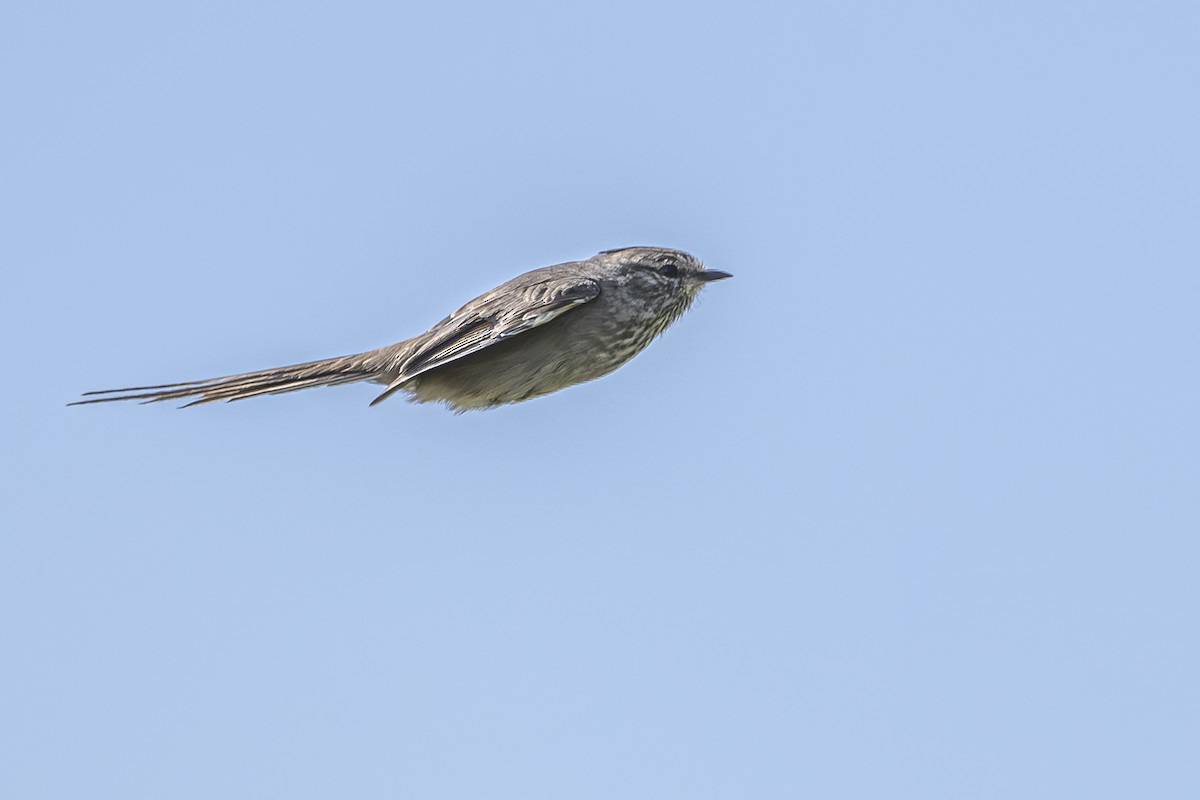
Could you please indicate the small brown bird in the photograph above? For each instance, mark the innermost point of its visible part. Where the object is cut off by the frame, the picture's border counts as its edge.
(540, 332)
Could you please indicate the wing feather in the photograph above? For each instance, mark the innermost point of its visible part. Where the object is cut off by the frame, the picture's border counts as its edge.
(498, 315)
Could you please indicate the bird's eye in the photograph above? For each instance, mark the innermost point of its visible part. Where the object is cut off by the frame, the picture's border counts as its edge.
(668, 271)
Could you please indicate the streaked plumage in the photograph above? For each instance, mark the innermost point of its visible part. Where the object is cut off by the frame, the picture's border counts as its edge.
(540, 332)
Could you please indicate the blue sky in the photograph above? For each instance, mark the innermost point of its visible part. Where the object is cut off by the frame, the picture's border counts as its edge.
(908, 508)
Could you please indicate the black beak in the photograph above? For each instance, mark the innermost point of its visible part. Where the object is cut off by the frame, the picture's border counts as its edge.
(711, 275)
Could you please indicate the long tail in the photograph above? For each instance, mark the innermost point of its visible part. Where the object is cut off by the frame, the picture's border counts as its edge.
(329, 372)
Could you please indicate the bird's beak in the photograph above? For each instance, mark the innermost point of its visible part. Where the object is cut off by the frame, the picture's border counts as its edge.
(709, 275)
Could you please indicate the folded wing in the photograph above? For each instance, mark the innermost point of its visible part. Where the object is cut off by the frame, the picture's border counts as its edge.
(501, 314)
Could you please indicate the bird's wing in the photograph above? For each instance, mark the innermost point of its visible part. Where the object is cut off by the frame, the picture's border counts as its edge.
(501, 314)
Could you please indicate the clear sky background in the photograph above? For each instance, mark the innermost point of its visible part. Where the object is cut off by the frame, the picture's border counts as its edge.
(906, 509)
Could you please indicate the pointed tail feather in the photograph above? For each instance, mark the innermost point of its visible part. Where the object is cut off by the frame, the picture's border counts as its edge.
(329, 372)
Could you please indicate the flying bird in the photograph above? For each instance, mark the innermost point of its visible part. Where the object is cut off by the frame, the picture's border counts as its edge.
(542, 331)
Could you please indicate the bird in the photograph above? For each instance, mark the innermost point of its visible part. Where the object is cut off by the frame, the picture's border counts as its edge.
(542, 331)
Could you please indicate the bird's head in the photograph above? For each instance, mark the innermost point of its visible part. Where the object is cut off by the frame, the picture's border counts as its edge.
(666, 281)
